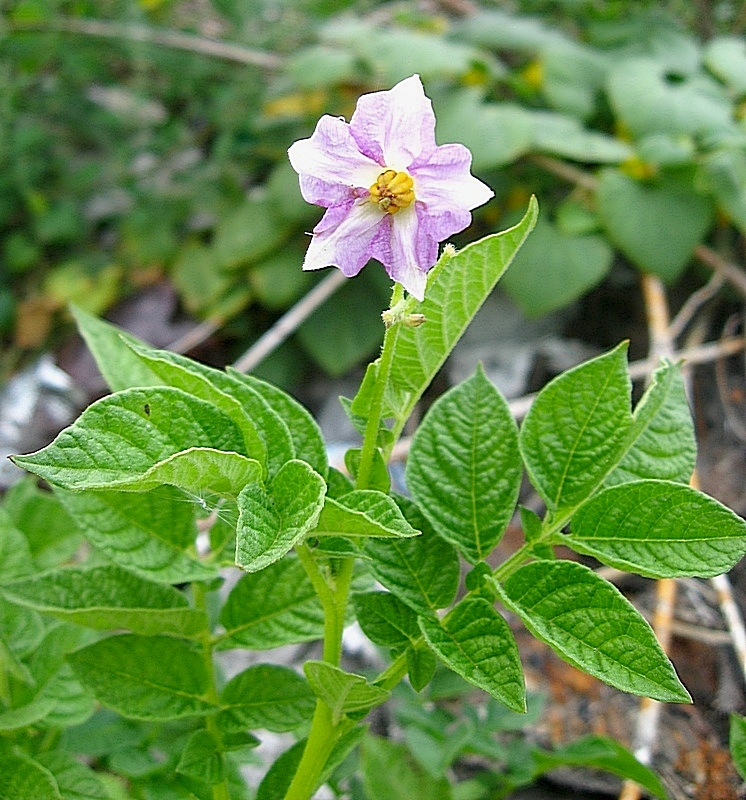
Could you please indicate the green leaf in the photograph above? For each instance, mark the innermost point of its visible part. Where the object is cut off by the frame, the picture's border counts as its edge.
(650, 96)
(108, 597)
(657, 226)
(276, 282)
(157, 678)
(215, 385)
(202, 759)
(53, 696)
(573, 75)
(104, 733)
(476, 643)
(422, 572)
(118, 439)
(30, 509)
(363, 512)
(566, 137)
(738, 743)
(75, 781)
(726, 57)
(464, 469)
(204, 289)
(385, 620)
(457, 287)
(502, 30)
(497, 133)
(576, 430)
(266, 696)
(22, 778)
(305, 434)
(554, 268)
(601, 752)
(380, 478)
(247, 233)
(660, 529)
(273, 520)
(421, 666)
(662, 437)
(198, 470)
(724, 173)
(530, 523)
(271, 608)
(151, 533)
(390, 771)
(15, 554)
(404, 51)
(21, 630)
(121, 368)
(342, 691)
(321, 65)
(29, 714)
(592, 626)
(72, 703)
(204, 383)
(664, 150)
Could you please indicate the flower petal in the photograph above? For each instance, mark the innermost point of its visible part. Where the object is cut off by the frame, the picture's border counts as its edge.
(330, 163)
(412, 252)
(342, 238)
(444, 180)
(395, 127)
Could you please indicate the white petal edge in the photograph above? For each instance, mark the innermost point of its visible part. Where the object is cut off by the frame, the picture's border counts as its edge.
(331, 155)
(346, 245)
(405, 269)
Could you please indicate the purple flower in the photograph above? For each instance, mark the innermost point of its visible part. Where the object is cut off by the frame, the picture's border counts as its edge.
(390, 192)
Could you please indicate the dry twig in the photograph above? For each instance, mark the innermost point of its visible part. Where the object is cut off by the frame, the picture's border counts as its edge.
(733, 274)
(175, 39)
(646, 733)
(289, 322)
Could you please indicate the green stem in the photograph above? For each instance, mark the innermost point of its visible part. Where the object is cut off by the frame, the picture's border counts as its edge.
(4, 674)
(220, 791)
(319, 745)
(333, 593)
(511, 564)
(333, 590)
(370, 440)
(395, 671)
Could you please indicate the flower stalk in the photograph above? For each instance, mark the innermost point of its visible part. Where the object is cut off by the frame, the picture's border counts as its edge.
(392, 194)
(373, 425)
(333, 589)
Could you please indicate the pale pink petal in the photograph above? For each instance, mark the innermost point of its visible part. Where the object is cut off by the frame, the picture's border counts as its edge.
(330, 163)
(342, 238)
(395, 127)
(444, 180)
(412, 253)
(337, 165)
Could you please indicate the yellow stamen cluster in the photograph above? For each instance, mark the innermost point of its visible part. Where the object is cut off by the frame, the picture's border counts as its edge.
(392, 191)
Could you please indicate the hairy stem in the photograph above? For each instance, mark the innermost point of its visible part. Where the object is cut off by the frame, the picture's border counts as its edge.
(220, 791)
(333, 589)
(370, 440)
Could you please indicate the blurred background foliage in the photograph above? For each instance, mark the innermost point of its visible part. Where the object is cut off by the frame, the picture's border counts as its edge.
(144, 141)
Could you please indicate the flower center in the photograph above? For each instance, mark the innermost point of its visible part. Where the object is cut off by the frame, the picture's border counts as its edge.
(392, 191)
